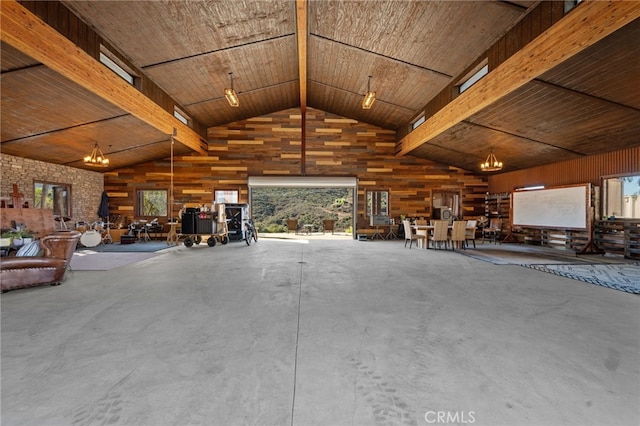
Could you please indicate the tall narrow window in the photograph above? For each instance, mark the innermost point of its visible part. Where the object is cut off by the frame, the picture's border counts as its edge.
(377, 203)
(621, 197)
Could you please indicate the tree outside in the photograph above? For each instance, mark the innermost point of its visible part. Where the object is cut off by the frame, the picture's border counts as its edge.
(272, 207)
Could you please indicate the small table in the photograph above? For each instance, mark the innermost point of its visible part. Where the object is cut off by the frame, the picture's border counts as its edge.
(380, 234)
(391, 235)
(377, 235)
(308, 228)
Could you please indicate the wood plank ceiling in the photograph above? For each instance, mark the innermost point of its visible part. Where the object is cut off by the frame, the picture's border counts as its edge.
(414, 51)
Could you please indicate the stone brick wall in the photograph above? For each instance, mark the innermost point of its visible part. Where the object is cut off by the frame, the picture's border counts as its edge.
(86, 186)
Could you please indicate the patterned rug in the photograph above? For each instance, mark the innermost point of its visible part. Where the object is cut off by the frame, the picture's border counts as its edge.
(138, 247)
(623, 277)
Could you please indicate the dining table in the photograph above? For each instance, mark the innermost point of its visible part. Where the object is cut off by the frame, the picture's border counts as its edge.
(428, 228)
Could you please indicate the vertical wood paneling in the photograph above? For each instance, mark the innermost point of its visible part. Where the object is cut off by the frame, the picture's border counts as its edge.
(583, 170)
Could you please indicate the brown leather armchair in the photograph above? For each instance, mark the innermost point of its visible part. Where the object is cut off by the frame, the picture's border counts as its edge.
(21, 272)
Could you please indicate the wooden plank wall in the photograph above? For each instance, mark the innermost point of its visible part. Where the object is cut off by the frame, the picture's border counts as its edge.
(38, 221)
(271, 145)
(583, 170)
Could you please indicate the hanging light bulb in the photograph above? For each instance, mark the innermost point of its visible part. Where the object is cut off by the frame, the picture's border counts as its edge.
(369, 97)
(231, 95)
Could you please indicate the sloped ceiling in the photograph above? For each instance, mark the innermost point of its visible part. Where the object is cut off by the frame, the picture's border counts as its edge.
(412, 49)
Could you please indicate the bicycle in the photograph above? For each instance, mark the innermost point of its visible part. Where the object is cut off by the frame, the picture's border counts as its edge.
(250, 232)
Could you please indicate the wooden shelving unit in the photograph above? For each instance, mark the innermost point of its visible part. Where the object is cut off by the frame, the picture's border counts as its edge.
(619, 236)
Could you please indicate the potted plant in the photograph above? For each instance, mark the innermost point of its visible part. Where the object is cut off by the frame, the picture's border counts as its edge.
(18, 241)
(27, 236)
(6, 238)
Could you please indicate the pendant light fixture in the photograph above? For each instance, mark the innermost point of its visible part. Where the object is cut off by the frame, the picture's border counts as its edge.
(491, 164)
(96, 158)
(231, 95)
(369, 97)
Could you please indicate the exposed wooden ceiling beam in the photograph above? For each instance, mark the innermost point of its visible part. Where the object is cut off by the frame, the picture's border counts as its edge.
(301, 25)
(32, 36)
(588, 23)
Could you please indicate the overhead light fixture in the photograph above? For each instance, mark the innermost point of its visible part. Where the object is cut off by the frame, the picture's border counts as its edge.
(231, 95)
(369, 97)
(491, 164)
(96, 158)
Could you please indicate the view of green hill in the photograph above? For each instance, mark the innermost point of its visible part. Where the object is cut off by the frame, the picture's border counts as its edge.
(271, 207)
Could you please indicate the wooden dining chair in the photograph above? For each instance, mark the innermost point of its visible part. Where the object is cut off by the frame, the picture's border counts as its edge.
(470, 234)
(422, 232)
(493, 231)
(410, 236)
(292, 225)
(328, 225)
(458, 234)
(440, 233)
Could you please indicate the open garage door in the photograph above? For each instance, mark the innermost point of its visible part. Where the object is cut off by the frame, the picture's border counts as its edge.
(307, 182)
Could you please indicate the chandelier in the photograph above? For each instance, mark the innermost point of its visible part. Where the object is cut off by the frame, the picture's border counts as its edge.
(491, 164)
(369, 97)
(231, 95)
(96, 158)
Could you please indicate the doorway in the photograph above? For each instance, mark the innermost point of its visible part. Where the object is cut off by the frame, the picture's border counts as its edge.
(274, 200)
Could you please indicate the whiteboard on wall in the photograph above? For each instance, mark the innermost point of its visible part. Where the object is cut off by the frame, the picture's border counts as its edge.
(565, 207)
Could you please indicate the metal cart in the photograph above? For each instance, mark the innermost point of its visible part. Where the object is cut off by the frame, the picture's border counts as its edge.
(198, 224)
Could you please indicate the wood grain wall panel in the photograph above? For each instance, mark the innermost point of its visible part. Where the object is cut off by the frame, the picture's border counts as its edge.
(270, 145)
(578, 171)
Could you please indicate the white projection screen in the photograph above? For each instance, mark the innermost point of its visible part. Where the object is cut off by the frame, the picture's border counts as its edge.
(565, 207)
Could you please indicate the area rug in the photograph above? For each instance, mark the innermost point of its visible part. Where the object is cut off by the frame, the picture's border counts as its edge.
(146, 247)
(623, 277)
(520, 254)
(515, 256)
(90, 260)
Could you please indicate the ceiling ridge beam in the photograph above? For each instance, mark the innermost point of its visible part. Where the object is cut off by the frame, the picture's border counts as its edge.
(585, 25)
(35, 38)
(301, 30)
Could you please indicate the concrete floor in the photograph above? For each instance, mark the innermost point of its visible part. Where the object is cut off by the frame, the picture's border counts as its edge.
(296, 332)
